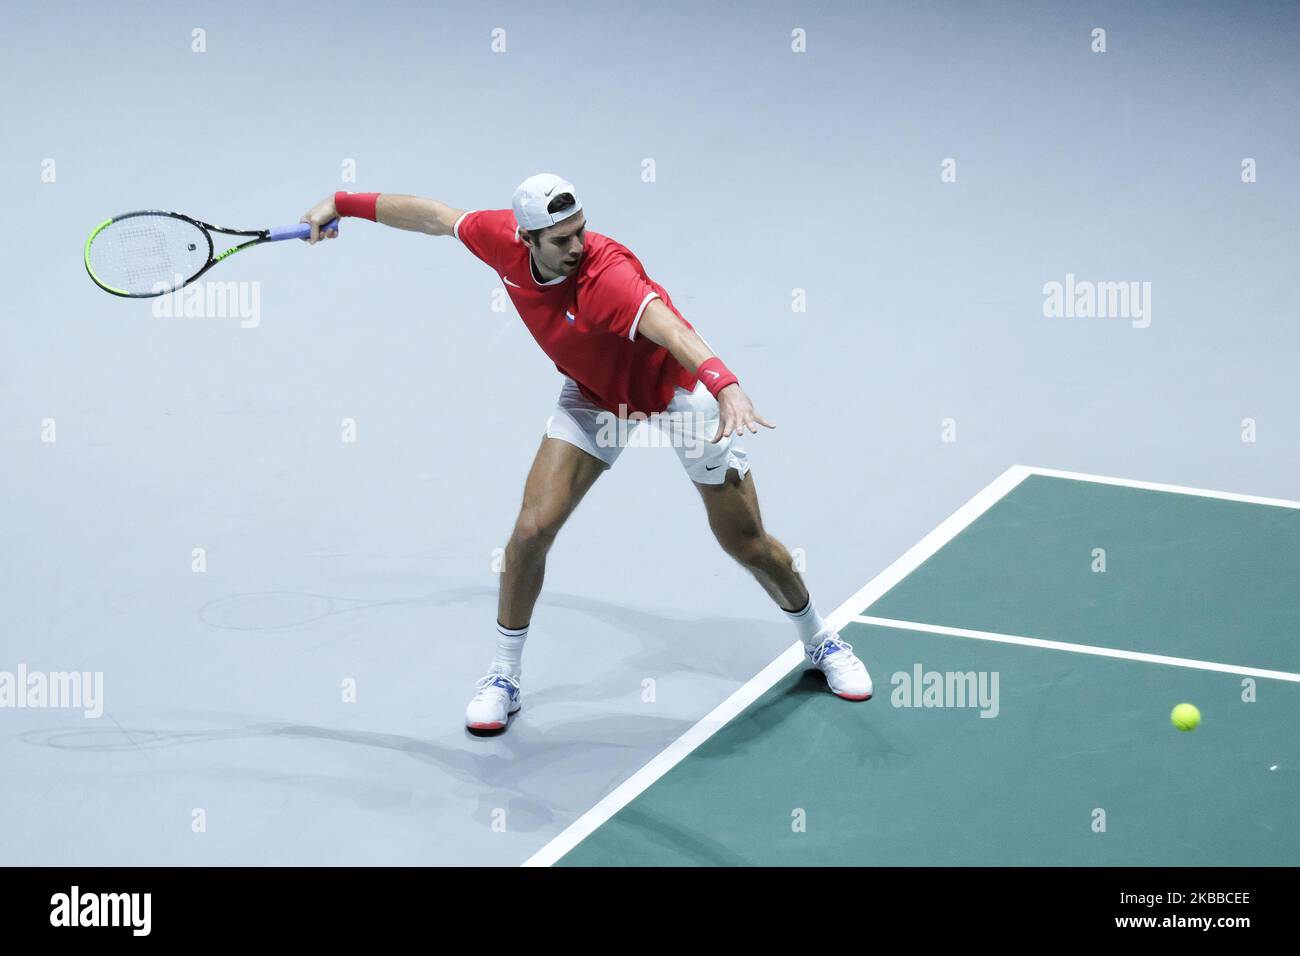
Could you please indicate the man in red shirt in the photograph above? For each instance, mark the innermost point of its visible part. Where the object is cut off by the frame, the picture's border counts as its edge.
(628, 357)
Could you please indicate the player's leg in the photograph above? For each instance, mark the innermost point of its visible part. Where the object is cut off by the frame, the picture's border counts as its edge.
(561, 474)
(559, 478)
(721, 473)
(572, 456)
(737, 523)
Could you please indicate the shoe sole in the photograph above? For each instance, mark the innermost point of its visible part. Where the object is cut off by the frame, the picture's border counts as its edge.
(495, 724)
(853, 696)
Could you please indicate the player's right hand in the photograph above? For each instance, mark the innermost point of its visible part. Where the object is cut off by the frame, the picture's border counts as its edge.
(317, 216)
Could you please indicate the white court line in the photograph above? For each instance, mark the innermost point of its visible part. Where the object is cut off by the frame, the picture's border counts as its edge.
(1154, 486)
(1078, 648)
(760, 683)
(767, 678)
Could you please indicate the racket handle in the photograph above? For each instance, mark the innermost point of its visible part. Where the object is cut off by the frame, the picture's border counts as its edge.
(299, 230)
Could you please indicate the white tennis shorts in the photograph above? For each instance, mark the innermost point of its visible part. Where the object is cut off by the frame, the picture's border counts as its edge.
(687, 425)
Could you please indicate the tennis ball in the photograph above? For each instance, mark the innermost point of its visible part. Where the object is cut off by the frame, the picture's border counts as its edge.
(1185, 717)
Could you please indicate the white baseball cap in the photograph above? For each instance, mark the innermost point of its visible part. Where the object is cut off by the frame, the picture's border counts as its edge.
(533, 195)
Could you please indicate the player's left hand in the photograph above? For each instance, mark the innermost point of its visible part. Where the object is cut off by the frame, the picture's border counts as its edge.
(736, 414)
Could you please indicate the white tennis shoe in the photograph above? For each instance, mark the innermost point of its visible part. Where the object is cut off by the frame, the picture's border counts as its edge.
(497, 698)
(845, 674)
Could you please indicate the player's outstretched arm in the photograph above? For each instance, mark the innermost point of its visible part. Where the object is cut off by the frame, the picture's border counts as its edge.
(736, 411)
(413, 213)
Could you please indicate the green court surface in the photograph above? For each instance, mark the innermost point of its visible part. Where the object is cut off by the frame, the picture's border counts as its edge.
(1076, 762)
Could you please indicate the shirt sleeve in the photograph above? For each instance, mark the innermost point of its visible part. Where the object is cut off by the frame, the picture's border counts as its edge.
(620, 294)
(487, 233)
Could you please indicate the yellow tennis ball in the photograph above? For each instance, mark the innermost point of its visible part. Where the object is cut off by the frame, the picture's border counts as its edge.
(1185, 717)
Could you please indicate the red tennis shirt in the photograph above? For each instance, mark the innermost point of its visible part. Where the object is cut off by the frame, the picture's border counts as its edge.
(585, 322)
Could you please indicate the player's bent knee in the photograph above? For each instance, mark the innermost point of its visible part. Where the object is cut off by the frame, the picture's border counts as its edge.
(535, 531)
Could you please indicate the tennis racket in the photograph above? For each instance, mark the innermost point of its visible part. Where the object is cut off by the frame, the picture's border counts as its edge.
(144, 254)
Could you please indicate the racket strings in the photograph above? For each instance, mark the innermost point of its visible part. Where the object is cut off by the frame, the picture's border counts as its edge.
(148, 254)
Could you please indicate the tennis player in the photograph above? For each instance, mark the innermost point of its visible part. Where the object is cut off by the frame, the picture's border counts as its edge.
(627, 355)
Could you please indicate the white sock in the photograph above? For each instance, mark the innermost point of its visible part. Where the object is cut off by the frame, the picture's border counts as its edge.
(510, 651)
(808, 622)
